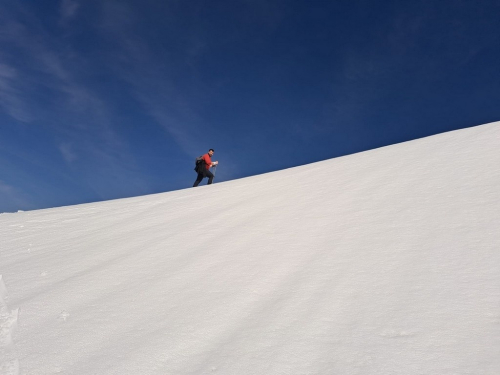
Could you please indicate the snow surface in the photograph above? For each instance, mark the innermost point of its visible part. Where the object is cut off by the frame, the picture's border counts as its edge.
(382, 262)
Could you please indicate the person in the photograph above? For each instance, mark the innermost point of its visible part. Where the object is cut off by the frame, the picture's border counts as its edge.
(204, 168)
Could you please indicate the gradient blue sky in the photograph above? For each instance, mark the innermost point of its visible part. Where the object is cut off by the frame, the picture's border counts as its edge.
(109, 99)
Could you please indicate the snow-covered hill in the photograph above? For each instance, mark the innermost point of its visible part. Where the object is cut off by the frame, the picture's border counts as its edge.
(383, 262)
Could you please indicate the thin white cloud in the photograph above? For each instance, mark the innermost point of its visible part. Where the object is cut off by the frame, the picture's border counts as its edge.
(79, 118)
(150, 78)
(67, 152)
(10, 96)
(68, 9)
(49, 66)
(46, 64)
(7, 71)
(12, 199)
(4, 188)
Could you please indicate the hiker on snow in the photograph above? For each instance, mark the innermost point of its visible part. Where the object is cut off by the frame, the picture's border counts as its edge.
(203, 164)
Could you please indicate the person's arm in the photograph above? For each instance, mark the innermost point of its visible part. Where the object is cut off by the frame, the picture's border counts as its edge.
(208, 161)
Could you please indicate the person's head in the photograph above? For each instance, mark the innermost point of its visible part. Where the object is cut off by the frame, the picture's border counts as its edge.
(211, 152)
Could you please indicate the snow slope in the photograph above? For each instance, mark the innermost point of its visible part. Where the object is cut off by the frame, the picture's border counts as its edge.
(383, 262)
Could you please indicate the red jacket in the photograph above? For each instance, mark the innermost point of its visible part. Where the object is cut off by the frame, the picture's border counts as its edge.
(208, 161)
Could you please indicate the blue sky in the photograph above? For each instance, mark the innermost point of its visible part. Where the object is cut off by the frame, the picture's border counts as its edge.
(110, 99)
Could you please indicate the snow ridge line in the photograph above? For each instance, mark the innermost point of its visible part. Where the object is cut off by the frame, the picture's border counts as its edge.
(9, 363)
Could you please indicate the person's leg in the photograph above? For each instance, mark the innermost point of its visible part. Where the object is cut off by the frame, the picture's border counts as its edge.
(198, 179)
(210, 177)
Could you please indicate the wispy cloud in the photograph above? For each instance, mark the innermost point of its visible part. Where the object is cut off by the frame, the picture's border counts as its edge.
(43, 62)
(43, 83)
(67, 152)
(68, 9)
(4, 188)
(11, 199)
(10, 96)
(149, 74)
(29, 63)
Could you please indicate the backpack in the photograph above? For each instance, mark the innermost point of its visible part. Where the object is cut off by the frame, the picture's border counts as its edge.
(200, 164)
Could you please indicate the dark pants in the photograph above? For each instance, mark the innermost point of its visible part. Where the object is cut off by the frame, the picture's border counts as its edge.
(202, 175)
